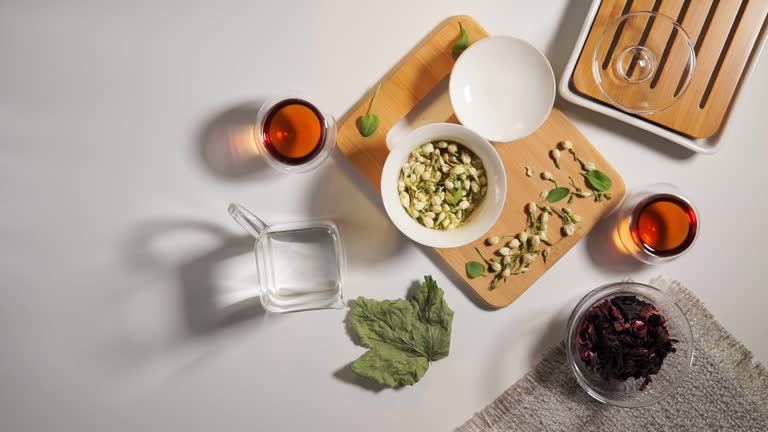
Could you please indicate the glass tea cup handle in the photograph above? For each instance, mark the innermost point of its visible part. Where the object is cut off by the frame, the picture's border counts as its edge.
(247, 220)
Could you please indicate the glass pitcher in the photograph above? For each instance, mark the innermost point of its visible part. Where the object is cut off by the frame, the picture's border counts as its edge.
(300, 265)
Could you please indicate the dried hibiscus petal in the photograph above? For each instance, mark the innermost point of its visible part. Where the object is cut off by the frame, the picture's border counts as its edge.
(624, 337)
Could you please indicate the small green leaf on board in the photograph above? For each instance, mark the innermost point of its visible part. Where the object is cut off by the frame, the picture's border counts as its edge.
(368, 124)
(598, 180)
(558, 194)
(475, 269)
(463, 42)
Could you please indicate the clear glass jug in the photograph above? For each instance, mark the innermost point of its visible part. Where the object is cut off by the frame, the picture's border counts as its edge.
(301, 265)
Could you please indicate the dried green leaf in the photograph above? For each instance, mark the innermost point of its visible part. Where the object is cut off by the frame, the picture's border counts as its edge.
(463, 42)
(558, 194)
(597, 180)
(432, 310)
(475, 269)
(389, 367)
(403, 335)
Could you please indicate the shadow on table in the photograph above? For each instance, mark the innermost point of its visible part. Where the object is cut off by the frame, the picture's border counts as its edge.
(546, 336)
(559, 52)
(226, 143)
(217, 288)
(551, 335)
(605, 250)
(340, 193)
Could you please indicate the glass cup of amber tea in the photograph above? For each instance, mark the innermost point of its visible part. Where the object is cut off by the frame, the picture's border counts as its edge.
(294, 135)
(657, 223)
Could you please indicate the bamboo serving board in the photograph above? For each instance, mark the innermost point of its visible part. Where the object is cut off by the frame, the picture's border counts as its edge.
(724, 34)
(413, 79)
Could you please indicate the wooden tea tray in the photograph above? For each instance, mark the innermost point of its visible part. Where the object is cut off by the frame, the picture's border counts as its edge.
(413, 79)
(724, 34)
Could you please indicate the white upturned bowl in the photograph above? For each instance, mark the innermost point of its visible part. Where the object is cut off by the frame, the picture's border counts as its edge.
(485, 215)
(503, 88)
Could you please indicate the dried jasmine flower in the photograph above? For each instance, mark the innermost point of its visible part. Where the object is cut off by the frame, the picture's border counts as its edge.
(523, 237)
(523, 248)
(443, 179)
(555, 155)
(531, 208)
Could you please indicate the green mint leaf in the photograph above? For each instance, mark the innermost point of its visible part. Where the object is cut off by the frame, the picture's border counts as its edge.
(368, 124)
(558, 194)
(475, 269)
(597, 180)
(457, 194)
(403, 335)
(463, 42)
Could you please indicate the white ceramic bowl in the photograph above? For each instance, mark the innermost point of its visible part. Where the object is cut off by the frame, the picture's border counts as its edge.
(484, 216)
(502, 87)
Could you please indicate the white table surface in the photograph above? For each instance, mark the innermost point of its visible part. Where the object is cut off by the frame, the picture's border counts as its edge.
(116, 121)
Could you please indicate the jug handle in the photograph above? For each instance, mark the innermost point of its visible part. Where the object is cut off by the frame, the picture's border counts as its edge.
(247, 220)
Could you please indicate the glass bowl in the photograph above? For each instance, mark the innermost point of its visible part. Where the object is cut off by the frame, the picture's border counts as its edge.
(643, 62)
(627, 393)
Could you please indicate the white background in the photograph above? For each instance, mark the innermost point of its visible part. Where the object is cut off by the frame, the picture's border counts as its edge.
(116, 125)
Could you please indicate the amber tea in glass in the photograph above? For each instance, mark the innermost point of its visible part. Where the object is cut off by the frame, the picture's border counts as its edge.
(293, 134)
(657, 224)
(294, 131)
(664, 225)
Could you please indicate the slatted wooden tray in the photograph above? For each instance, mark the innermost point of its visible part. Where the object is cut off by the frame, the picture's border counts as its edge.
(724, 33)
(411, 81)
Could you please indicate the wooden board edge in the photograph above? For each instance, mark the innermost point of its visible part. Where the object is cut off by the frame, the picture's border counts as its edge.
(366, 97)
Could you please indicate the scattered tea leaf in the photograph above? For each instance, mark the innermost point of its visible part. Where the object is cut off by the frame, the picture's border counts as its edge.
(475, 269)
(463, 42)
(558, 194)
(598, 180)
(368, 123)
(457, 196)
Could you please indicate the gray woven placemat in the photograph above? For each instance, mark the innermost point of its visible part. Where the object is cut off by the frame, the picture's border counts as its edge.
(724, 390)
